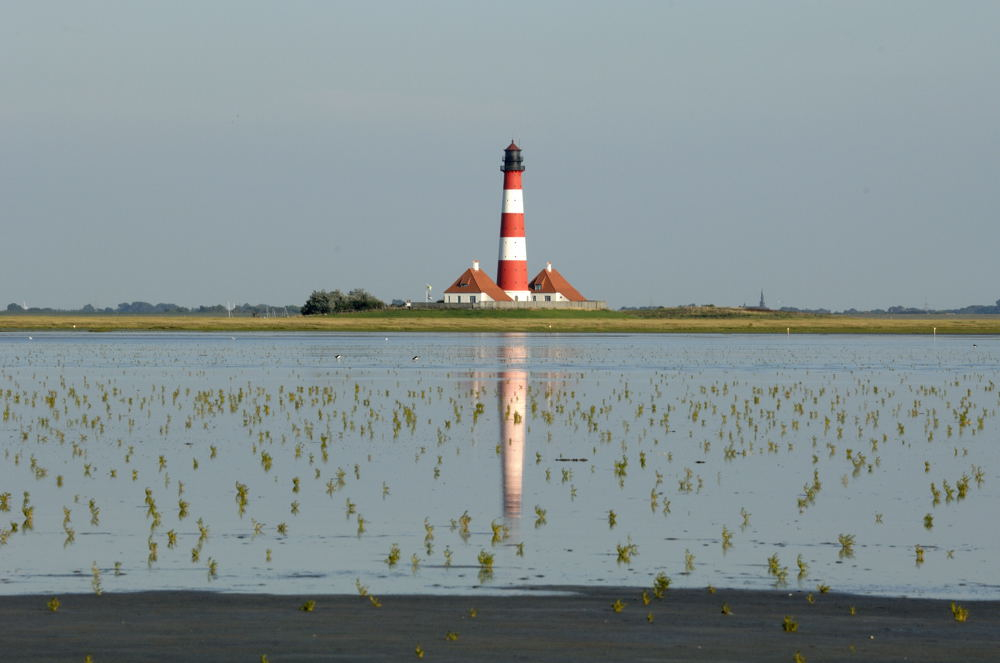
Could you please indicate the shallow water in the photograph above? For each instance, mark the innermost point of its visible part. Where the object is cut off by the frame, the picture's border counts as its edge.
(812, 437)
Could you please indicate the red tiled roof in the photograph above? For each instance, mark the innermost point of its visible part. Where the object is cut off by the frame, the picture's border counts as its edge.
(552, 282)
(476, 280)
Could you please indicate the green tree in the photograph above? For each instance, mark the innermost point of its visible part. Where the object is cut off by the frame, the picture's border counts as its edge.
(317, 304)
(321, 302)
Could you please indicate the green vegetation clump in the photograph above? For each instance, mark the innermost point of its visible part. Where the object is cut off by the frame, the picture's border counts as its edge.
(321, 302)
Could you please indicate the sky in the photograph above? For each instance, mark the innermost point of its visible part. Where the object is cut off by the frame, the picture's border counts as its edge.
(832, 154)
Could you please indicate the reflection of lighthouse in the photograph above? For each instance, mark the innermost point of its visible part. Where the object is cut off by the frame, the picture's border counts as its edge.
(513, 396)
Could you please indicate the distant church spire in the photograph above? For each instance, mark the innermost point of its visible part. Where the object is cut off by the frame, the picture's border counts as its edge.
(762, 304)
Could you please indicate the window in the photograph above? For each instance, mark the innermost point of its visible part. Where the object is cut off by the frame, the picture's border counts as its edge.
(536, 286)
(459, 300)
(548, 298)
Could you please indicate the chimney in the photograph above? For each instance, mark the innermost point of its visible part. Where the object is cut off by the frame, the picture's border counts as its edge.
(548, 267)
(475, 265)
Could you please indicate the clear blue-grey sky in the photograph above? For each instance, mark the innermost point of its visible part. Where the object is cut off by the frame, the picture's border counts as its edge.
(834, 154)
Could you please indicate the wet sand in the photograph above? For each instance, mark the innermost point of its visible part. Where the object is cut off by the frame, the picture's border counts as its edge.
(687, 625)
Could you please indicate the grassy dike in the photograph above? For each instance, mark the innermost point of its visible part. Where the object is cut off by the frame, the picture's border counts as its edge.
(686, 320)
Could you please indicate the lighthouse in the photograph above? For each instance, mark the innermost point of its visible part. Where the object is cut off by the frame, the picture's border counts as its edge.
(512, 267)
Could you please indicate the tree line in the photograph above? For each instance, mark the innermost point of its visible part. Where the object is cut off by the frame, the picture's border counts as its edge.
(163, 308)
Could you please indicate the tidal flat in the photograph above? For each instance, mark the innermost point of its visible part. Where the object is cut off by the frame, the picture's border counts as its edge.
(499, 467)
(265, 496)
(577, 624)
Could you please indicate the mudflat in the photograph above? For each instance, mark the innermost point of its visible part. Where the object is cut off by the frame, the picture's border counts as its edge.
(575, 624)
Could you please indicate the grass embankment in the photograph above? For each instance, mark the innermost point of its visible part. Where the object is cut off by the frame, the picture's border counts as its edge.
(683, 320)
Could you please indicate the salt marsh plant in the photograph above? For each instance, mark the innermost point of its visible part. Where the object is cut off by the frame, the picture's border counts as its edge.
(242, 497)
(393, 558)
(727, 538)
(959, 613)
(485, 560)
(308, 606)
(618, 605)
(626, 551)
(540, 514)
(53, 604)
(501, 532)
(95, 579)
(789, 625)
(463, 525)
(661, 583)
(846, 545)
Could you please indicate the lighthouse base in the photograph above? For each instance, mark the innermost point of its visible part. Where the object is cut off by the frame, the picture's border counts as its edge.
(589, 305)
(519, 295)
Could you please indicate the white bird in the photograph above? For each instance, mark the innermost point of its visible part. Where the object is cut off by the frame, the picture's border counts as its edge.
(29, 338)
(415, 358)
(337, 357)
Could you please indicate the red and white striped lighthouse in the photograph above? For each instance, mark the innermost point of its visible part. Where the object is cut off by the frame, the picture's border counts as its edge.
(512, 267)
